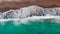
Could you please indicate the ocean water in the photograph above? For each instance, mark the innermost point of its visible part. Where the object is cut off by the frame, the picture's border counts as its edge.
(43, 26)
(30, 20)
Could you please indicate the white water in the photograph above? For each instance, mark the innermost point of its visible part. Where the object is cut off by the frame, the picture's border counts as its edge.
(29, 12)
(26, 20)
(25, 14)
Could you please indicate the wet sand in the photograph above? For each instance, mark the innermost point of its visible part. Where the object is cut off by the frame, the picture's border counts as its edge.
(7, 5)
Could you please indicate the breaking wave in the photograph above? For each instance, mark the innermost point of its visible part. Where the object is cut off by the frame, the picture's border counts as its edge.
(30, 20)
(32, 13)
(29, 12)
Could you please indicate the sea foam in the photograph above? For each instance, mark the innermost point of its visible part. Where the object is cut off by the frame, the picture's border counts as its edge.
(32, 13)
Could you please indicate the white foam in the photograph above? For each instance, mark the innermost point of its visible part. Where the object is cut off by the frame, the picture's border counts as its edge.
(20, 15)
(25, 20)
(30, 10)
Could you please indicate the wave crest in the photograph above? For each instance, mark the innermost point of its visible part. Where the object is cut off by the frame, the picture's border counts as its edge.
(29, 12)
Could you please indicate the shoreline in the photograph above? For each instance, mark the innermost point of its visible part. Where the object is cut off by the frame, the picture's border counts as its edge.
(7, 5)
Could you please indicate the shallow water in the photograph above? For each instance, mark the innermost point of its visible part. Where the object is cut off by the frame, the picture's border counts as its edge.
(30, 20)
(47, 26)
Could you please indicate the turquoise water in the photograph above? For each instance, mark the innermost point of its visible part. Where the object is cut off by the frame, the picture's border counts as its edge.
(32, 27)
